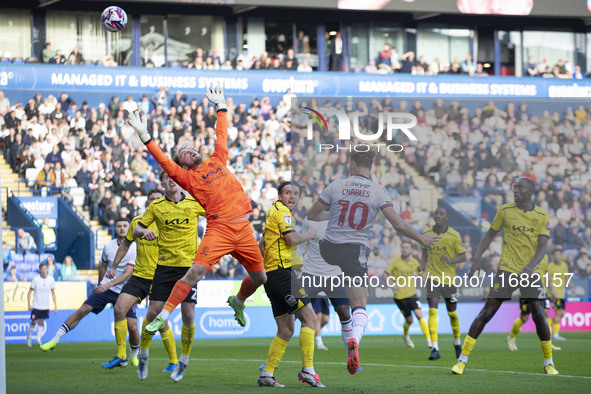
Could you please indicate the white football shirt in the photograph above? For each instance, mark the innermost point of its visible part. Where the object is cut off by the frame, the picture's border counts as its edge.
(354, 206)
(314, 264)
(109, 252)
(42, 287)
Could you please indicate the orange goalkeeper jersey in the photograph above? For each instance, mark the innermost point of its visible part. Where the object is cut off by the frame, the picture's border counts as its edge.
(211, 184)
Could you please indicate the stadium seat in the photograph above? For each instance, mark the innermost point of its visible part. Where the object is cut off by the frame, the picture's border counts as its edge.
(17, 258)
(78, 195)
(29, 276)
(32, 258)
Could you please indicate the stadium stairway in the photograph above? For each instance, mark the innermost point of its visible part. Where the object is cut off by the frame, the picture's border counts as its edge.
(427, 195)
(9, 181)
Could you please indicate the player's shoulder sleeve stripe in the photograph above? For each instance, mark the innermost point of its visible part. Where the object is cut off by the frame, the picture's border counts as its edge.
(287, 232)
(540, 211)
(429, 230)
(159, 201)
(387, 205)
(508, 206)
(321, 201)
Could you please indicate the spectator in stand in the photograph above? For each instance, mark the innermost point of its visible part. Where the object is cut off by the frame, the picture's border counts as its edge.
(97, 195)
(46, 177)
(336, 52)
(52, 270)
(6, 254)
(384, 57)
(160, 98)
(408, 61)
(47, 53)
(68, 270)
(531, 68)
(109, 61)
(578, 74)
(13, 275)
(468, 64)
(79, 59)
(4, 104)
(371, 67)
(25, 242)
(304, 67)
(58, 58)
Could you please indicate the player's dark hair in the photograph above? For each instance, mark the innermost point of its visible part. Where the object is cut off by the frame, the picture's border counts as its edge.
(155, 191)
(285, 183)
(161, 175)
(363, 159)
(406, 242)
(528, 182)
(123, 220)
(556, 250)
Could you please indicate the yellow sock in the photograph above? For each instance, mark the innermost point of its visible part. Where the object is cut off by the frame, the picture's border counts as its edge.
(275, 354)
(406, 327)
(425, 328)
(550, 324)
(307, 346)
(516, 327)
(170, 345)
(120, 337)
(556, 329)
(455, 323)
(146, 339)
(546, 348)
(433, 323)
(469, 343)
(187, 335)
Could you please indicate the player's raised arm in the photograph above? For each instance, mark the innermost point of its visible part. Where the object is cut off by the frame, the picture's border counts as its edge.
(140, 124)
(215, 95)
(406, 229)
(318, 212)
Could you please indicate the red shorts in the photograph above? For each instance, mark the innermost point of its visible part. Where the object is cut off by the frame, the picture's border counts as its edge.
(230, 237)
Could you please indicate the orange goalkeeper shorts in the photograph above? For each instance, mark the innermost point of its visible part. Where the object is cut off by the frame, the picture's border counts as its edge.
(230, 237)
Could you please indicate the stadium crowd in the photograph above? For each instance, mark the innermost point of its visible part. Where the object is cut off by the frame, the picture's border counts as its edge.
(59, 144)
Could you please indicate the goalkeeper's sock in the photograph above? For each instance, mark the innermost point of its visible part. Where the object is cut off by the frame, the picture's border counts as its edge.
(180, 291)
(247, 288)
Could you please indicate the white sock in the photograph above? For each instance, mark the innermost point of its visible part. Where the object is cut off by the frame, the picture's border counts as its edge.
(238, 302)
(309, 370)
(358, 323)
(30, 333)
(435, 346)
(164, 314)
(184, 359)
(63, 330)
(134, 350)
(319, 341)
(457, 341)
(39, 331)
(346, 331)
(463, 358)
(266, 374)
(548, 361)
(144, 352)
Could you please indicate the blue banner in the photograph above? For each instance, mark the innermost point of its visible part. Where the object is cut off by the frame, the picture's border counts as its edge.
(212, 323)
(41, 207)
(132, 80)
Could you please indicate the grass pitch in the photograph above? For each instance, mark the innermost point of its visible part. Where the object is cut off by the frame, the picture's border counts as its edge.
(231, 365)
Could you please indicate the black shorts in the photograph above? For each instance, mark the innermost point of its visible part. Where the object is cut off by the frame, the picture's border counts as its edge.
(505, 283)
(526, 310)
(164, 280)
(285, 292)
(320, 305)
(98, 302)
(448, 292)
(314, 284)
(137, 287)
(560, 303)
(37, 314)
(352, 258)
(407, 305)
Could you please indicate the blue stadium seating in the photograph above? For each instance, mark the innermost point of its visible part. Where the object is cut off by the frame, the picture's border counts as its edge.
(32, 258)
(17, 258)
(44, 256)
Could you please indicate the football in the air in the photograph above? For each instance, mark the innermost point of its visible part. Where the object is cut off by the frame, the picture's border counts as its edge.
(114, 19)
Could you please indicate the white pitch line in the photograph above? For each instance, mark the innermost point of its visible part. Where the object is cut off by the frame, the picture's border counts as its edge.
(390, 365)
